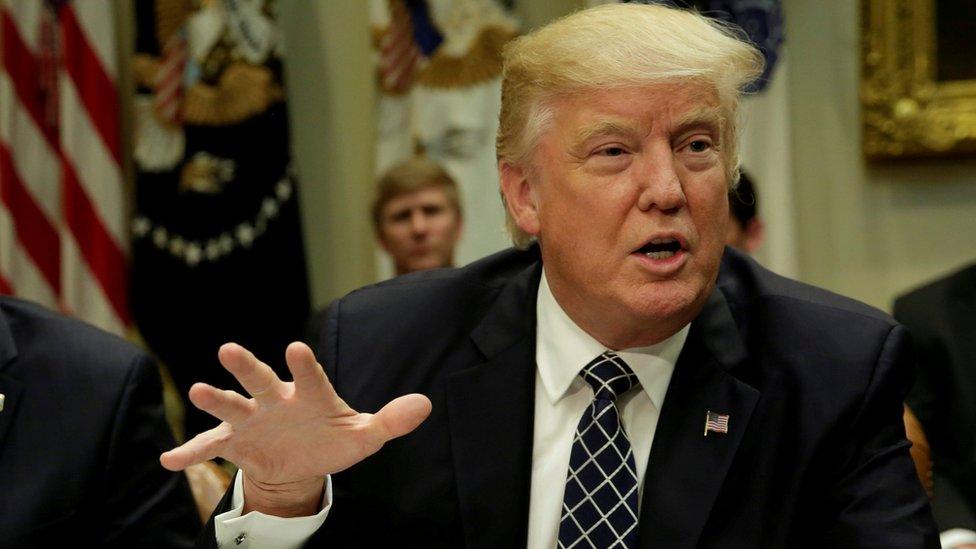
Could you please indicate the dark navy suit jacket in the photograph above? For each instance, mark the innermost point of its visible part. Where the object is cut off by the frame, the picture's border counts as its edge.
(942, 318)
(80, 436)
(813, 384)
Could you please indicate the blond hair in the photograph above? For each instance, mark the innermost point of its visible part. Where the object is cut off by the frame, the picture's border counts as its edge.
(618, 45)
(410, 176)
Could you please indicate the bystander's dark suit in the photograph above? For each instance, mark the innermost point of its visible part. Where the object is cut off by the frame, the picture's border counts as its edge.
(942, 319)
(81, 431)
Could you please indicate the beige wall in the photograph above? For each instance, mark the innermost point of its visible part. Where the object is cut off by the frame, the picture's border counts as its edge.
(330, 93)
(868, 231)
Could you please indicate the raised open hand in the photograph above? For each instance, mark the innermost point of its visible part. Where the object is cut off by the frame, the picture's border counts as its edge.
(289, 435)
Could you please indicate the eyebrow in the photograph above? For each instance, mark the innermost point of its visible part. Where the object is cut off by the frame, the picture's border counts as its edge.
(709, 116)
(603, 128)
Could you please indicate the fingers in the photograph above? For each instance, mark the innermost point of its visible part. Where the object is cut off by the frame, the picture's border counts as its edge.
(403, 415)
(257, 378)
(310, 379)
(311, 382)
(205, 446)
(226, 406)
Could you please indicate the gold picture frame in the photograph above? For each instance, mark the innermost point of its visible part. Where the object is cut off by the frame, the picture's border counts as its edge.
(906, 110)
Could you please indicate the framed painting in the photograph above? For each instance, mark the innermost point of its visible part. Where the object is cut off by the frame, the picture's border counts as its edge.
(918, 81)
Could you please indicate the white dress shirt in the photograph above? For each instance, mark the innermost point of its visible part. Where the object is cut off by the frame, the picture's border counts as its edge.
(561, 397)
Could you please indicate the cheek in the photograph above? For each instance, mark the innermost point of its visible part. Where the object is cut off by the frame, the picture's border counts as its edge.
(445, 228)
(398, 236)
(711, 202)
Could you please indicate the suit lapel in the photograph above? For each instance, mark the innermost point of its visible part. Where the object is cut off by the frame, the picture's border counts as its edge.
(9, 387)
(686, 468)
(491, 411)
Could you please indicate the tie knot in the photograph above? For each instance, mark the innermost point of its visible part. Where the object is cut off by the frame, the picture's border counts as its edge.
(609, 376)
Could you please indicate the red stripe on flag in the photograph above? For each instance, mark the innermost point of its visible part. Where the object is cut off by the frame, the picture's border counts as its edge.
(24, 69)
(5, 287)
(103, 255)
(95, 89)
(34, 231)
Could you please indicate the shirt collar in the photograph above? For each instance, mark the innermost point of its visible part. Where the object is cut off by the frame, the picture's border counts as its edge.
(563, 349)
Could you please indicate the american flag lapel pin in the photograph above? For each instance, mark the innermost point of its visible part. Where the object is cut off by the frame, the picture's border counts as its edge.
(716, 422)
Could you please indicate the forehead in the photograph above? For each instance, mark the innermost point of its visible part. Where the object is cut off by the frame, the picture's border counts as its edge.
(432, 195)
(657, 107)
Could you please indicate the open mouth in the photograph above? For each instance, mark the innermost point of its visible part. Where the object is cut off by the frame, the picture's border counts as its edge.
(661, 248)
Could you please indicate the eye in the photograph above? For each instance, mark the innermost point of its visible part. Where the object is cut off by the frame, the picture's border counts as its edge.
(611, 151)
(699, 145)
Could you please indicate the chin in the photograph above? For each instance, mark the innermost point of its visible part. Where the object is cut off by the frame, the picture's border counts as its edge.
(670, 300)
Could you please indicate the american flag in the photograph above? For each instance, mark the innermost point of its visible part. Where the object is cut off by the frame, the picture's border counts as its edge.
(399, 55)
(62, 206)
(169, 80)
(716, 423)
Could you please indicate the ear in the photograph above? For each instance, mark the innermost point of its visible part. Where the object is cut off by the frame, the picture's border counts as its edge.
(755, 233)
(459, 230)
(381, 240)
(520, 198)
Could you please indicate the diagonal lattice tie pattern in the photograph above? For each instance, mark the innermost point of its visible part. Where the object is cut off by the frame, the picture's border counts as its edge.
(600, 503)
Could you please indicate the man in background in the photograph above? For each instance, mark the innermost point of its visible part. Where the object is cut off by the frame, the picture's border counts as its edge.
(416, 218)
(745, 230)
(417, 215)
(81, 424)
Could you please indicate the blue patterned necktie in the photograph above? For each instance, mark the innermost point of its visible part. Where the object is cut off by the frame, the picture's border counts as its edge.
(600, 503)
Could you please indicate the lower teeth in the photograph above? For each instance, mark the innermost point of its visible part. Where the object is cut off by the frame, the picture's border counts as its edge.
(659, 255)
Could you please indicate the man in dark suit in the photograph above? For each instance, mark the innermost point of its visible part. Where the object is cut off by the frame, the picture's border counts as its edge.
(81, 425)
(539, 379)
(941, 316)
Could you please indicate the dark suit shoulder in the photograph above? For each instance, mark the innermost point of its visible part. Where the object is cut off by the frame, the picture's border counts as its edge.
(827, 345)
(750, 286)
(934, 293)
(440, 291)
(74, 386)
(387, 330)
(67, 349)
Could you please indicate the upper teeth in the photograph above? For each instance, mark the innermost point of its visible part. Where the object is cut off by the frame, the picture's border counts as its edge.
(659, 255)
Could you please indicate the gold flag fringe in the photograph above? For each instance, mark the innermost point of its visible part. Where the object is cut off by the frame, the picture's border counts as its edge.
(170, 17)
(481, 63)
(144, 69)
(243, 90)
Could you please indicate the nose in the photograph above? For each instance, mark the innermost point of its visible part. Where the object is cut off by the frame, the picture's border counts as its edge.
(418, 223)
(659, 183)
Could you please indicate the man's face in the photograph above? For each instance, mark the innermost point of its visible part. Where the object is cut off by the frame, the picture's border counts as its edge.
(627, 196)
(420, 230)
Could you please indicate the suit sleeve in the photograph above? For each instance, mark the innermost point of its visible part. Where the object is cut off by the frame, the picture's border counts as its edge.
(878, 500)
(144, 505)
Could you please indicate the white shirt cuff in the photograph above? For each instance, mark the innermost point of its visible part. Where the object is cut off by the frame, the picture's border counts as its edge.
(259, 530)
(956, 537)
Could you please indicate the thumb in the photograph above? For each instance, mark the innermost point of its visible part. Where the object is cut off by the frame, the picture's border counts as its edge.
(403, 414)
